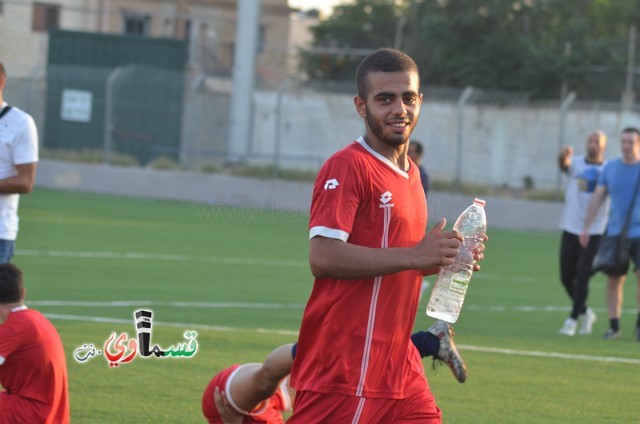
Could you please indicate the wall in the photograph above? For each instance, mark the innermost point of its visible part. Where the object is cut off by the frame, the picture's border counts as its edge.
(216, 189)
(501, 144)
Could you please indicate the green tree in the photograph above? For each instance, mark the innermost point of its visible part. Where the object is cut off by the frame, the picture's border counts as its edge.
(530, 46)
(340, 42)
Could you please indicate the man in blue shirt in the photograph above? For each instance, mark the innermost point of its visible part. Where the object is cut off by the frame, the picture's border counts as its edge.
(618, 180)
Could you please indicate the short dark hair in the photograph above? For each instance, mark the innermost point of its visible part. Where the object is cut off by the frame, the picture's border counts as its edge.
(382, 60)
(419, 149)
(631, 130)
(3, 72)
(11, 283)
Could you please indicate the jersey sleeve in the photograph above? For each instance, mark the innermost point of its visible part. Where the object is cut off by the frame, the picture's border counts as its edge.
(336, 197)
(25, 147)
(9, 341)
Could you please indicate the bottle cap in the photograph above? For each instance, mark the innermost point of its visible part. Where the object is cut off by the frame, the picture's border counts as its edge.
(479, 202)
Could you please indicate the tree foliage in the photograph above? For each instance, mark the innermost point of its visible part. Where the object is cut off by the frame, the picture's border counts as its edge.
(528, 46)
(365, 25)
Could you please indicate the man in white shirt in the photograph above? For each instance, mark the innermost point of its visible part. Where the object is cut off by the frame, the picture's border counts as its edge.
(575, 260)
(18, 159)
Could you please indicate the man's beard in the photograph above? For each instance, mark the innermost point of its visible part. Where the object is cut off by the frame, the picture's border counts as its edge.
(377, 129)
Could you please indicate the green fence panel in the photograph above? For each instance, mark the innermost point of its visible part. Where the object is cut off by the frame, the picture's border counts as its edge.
(114, 93)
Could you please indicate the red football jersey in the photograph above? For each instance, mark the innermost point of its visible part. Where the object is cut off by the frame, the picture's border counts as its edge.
(269, 412)
(34, 370)
(355, 334)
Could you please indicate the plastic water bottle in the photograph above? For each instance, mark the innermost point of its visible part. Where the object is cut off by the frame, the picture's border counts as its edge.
(453, 280)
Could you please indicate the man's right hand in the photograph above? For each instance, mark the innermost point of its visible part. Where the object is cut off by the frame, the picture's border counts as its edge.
(584, 239)
(563, 157)
(438, 248)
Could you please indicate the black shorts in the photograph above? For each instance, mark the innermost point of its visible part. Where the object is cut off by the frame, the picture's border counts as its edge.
(634, 255)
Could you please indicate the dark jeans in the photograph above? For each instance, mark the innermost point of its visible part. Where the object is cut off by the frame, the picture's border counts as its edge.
(575, 269)
(6, 250)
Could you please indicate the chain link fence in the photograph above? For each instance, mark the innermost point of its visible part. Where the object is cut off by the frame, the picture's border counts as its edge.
(144, 115)
(471, 137)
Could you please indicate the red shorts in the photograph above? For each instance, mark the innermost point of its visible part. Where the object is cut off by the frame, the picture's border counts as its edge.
(313, 407)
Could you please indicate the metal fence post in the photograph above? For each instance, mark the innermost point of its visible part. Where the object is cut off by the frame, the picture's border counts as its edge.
(564, 107)
(462, 100)
(108, 113)
(278, 131)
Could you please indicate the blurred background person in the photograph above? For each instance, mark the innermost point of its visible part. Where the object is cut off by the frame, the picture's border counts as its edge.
(33, 368)
(18, 158)
(575, 261)
(415, 152)
(617, 181)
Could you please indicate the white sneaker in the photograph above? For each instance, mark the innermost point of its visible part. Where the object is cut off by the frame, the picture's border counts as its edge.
(586, 321)
(569, 327)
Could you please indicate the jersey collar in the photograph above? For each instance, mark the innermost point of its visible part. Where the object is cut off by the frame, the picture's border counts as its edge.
(381, 158)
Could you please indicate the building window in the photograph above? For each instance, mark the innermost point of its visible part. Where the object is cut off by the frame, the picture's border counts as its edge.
(45, 17)
(136, 24)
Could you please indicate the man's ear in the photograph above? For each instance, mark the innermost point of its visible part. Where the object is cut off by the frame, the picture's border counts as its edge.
(361, 106)
(3, 80)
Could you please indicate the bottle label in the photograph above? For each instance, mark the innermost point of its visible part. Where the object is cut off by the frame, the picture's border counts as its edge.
(459, 286)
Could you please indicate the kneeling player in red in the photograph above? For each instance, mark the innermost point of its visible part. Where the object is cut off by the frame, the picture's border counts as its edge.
(251, 393)
(33, 369)
(258, 393)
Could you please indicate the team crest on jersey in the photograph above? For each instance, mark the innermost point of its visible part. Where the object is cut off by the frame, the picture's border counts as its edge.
(385, 198)
(331, 184)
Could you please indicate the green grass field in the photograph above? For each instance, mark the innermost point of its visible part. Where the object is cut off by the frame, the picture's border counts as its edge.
(240, 278)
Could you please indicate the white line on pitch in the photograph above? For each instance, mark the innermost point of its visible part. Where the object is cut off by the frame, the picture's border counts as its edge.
(264, 305)
(550, 354)
(558, 355)
(162, 257)
(82, 318)
(135, 303)
(216, 259)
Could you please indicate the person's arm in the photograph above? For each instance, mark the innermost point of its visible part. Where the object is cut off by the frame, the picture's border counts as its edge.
(597, 199)
(257, 384)
(332, 258)
(564, 158)
(22, 182)
(226, 412)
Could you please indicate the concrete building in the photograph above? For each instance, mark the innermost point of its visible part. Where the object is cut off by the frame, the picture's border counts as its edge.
(210, 25)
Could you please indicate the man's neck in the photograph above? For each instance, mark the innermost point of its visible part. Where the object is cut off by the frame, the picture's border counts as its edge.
(396, 155)
(7, 308)
(595, 160)
(631, 159)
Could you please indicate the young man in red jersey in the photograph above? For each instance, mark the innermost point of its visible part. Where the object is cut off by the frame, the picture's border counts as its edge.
(368, 252)
(33, 369)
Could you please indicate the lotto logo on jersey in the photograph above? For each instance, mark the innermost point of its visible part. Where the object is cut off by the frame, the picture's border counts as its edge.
(385, 198)
(331, 184)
